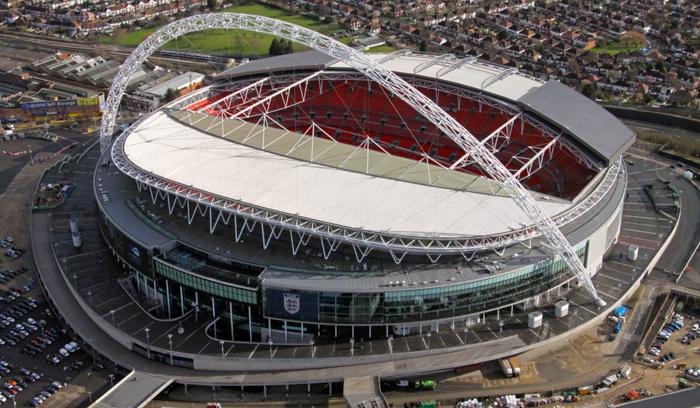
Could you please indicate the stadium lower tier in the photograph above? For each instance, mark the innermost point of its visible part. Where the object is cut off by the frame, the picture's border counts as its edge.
(251, 293)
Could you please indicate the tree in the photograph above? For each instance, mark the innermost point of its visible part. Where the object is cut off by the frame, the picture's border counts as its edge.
(423, 47)
(212, 4)
(587, 88)
(281, 46)
(170, 95)
(274, 47)
(633, 39)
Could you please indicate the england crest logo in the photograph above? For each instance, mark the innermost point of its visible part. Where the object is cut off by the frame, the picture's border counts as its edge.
(291, 303)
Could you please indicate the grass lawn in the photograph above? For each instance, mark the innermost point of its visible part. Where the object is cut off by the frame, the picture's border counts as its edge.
(382, 48)
(616, 48)
(235, 43)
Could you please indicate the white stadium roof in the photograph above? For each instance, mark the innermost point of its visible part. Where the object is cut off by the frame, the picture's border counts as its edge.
(168, 148)
(476, 75)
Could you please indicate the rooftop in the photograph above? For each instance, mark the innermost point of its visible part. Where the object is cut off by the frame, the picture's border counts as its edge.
(171, 149)
(179, 82)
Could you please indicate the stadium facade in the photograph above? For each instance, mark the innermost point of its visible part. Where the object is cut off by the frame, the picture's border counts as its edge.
(294, 200)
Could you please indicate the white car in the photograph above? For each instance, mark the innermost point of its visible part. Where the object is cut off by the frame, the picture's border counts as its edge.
(63, 352)
(654, 351)
(695, 327)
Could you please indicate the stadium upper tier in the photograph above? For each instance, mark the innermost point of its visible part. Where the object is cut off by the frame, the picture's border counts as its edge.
(302, 142)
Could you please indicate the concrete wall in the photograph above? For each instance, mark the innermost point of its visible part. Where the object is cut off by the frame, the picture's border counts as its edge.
(661, 118)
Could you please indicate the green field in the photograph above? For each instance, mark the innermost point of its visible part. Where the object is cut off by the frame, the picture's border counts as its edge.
(616, 48)
(235, 43)
(382, 48)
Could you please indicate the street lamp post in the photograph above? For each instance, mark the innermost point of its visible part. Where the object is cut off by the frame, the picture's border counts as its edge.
(221, 342)
(75, 280)
(269, 342)
(170, 343)
(92, 347)
(148, 342)
(29, 147)
(112, 313)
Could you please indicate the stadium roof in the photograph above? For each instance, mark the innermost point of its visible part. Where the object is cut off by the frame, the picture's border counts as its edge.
(586, 121)
(582, 119)
(166, 147)
(306, 60)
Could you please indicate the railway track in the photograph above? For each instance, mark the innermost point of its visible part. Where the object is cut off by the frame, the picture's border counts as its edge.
(200, 61)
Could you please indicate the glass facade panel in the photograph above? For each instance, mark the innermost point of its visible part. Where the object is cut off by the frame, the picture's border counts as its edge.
(436, 303)
(205, 285)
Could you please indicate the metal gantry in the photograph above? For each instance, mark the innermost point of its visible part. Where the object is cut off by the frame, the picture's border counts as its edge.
(389, 80)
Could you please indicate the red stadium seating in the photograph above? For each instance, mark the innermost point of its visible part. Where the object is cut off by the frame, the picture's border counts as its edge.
(351, 110)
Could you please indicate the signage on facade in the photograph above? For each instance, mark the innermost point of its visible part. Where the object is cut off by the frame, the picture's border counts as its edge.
(291, 303)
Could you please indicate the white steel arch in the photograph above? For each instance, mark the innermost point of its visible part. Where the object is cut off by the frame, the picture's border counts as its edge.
(373, 70)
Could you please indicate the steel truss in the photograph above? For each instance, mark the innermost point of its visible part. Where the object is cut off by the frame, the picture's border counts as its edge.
(390, 81)
(394, 55)
(455, 65)
(497, 77)
(537, 161)
(301, 230)
(239, 94)
(438, 60)
(495, 141)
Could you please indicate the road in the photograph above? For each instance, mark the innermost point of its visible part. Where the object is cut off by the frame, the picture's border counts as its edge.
(681, 249)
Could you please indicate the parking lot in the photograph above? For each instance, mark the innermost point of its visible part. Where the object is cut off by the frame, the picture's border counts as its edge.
(34, 348)
(673, 341)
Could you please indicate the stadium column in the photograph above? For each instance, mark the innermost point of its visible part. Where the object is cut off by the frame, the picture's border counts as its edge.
(213, 315)
(250, 325)
(230, 321)
(167, 296)
(269, 328)
(182, 302)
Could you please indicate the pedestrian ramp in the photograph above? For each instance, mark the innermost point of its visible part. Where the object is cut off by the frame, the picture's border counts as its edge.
(133, 391)
(363, 392)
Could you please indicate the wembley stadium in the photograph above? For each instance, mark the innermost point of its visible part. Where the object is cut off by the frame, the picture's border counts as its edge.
(296, 200)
